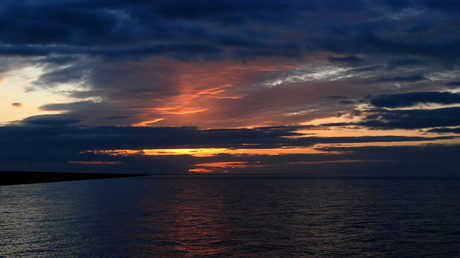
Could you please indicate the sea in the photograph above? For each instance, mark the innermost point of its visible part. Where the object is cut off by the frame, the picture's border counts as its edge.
(232, 216)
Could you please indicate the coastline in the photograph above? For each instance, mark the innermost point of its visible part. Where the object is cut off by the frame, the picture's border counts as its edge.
(20, 177)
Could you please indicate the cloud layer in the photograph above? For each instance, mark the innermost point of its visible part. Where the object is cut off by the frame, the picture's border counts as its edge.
(57, 144)
(414, 98)
(132, 75)
(142, 62)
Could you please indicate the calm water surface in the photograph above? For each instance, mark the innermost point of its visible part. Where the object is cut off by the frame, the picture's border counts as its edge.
(241, 216)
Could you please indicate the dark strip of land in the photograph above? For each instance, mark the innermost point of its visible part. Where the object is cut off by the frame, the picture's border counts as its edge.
(14, 178)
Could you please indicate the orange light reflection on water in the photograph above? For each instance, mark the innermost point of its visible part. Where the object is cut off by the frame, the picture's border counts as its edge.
(195, 221)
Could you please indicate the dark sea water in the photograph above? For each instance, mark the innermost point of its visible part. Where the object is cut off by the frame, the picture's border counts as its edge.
(240, 216)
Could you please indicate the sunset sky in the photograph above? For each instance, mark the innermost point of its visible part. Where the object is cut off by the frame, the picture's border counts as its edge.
(327, 87)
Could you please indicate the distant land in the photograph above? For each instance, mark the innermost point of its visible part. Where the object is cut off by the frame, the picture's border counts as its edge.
(14, 178)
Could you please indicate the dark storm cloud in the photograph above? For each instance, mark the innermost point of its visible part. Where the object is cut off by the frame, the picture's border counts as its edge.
(414, 98)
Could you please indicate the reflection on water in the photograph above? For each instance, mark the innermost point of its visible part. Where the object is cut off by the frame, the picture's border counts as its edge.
(231, 216)
(194, 220)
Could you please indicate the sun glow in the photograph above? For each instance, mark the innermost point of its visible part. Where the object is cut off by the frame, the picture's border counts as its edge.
(210, 152)
(18, 97)
(22, 94)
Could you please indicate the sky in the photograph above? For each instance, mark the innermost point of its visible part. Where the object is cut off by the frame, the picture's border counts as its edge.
(329, 87)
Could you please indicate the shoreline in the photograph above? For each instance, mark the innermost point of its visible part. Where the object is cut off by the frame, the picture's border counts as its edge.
(20, 177)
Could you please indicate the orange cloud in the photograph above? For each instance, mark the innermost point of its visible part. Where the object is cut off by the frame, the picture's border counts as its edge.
(147, 123)
(213, 167)
(202, 170)
(217, 167)
(16, 104)
(235, 164)
(209, 152)
(202, 93)
(199, 152)
(178, 110)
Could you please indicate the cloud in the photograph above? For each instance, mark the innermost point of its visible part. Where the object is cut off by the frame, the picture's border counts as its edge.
(387, 114)
(44, 140)
(29, 89)
(16, 104)
(221, 29)
(345, 59)
(48, 120)
(412, 78)
(183, 65)
(453, 83)
(75, 72)
(435, 160)
(409, 119)
(446, 130)
(81, 105)
(395, 63)
(105, 29)
(414, 98)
